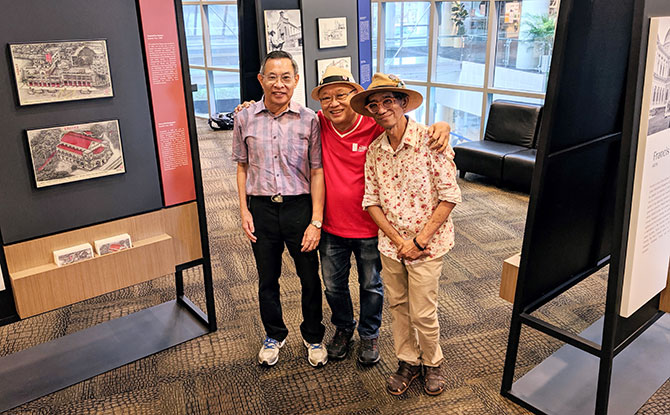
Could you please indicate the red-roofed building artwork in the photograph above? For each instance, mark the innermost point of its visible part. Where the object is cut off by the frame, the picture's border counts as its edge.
(83, 150)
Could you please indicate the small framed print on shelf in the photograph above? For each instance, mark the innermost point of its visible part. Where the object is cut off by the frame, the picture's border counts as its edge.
(332, 32)
(73, 254)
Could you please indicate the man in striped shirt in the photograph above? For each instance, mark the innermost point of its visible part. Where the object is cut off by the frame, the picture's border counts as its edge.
(277, 147)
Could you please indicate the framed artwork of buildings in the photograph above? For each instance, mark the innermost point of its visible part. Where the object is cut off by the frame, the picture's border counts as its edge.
(61, 71)
(75, 152)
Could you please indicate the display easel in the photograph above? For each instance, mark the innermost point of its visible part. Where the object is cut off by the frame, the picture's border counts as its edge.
(577, 219)
(169, 232)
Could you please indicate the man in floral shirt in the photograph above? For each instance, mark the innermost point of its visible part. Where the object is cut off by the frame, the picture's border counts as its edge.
(410, 191)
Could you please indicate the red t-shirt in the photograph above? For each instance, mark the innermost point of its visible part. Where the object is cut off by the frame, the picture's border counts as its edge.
(344, 165)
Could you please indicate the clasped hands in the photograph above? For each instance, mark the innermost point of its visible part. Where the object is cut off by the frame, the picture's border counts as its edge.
(407, 250)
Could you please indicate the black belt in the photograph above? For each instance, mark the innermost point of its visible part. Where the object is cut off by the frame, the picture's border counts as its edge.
(279, 198)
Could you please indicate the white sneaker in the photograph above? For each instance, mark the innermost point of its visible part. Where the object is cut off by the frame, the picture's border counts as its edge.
(269, 354)
(317, 355)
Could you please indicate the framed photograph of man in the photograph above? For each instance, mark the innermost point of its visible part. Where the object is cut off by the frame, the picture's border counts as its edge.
(61, 71)
(75, 152)
(332, 32)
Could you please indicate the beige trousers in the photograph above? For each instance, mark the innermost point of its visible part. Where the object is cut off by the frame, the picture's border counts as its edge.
(411, 291)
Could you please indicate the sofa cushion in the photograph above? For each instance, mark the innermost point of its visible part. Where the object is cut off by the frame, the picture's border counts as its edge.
(482, 157)
(518, 168)
(513, 123)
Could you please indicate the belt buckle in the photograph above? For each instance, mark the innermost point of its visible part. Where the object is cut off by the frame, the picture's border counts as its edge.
(277, 198)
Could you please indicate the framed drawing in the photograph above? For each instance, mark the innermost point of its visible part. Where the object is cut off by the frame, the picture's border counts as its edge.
(283, 31)
(61, 71)
(648, 250)
(332, 32)
(75, 152)
(321, 64)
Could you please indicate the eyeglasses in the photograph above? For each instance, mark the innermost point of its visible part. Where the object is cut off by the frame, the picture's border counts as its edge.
(326, 101)
(374, 107)
(286, 79)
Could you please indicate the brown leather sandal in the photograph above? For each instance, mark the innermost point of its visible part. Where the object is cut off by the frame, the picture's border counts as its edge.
(434, 382)
(398, 382)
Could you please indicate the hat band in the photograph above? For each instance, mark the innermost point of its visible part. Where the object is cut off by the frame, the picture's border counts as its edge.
(334, 78)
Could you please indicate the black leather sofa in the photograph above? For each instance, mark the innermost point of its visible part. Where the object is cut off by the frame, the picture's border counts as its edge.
(507, 152)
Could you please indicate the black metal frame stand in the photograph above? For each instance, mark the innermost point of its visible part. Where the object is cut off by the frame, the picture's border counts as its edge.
(51, 366)
(594, 212)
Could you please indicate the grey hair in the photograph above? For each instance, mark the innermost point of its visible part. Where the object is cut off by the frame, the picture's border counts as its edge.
(279, 54)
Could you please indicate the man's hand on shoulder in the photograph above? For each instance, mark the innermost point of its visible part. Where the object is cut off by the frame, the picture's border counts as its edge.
(244, 105)
(438, 136)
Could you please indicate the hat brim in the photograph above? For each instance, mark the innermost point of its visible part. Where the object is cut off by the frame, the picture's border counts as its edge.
(358, 101)
(315, 91)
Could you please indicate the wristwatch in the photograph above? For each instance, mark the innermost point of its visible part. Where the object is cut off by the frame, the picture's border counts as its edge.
(316, 223)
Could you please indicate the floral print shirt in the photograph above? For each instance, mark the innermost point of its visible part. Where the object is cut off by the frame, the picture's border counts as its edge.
(408, 183)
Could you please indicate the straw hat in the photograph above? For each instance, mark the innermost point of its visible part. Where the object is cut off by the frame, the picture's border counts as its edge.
(385, 83)
(335, 75)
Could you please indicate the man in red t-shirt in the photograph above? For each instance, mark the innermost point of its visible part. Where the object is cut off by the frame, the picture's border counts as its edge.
(347, 228)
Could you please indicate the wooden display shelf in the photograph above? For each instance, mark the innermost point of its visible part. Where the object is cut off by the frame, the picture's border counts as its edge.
(48, 286)
(510, 272)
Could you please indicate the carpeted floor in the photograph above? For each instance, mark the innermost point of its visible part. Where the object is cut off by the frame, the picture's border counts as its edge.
(218, 373)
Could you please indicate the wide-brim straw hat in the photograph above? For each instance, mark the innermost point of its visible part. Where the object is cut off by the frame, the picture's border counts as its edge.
(385, 83)
(335, 75)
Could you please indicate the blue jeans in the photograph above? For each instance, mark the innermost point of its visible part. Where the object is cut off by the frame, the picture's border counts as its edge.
(335, 265)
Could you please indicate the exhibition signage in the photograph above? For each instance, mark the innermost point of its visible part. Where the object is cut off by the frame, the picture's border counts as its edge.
(648, 249)
(364, 43)
(168, 100)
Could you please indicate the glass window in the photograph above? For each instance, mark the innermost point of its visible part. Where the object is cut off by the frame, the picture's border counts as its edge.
(461, 42)
(406, 27)
(374, 36)
(193, 29)
(419, 114)
(461, 109)
(524, 45)
(223, 35)
(198, 77)
(226, 90)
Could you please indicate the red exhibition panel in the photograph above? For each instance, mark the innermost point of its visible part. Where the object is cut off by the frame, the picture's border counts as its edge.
(161, 43)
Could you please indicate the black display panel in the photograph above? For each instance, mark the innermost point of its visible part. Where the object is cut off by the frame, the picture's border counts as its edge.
(570, 216)
(28, 212)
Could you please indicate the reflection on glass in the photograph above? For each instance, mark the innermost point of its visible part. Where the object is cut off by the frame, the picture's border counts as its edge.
(193, 29)
(200, 96)
(223, 35)
(461, 42)
(374, 37)
(525, 42)
(406, 39)
(226, 90)
(461, 109)
(419, 114)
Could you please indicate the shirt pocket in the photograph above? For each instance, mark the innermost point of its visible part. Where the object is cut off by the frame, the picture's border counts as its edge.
(258, 148)
(298, 150)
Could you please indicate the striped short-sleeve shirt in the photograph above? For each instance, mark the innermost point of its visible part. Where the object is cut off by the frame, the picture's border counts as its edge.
(280, 149)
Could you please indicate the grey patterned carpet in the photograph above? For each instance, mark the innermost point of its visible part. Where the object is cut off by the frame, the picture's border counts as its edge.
(218, 373)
